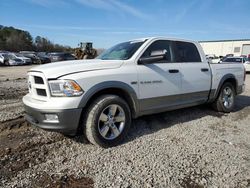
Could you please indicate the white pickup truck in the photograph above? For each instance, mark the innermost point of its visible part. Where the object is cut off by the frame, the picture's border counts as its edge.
(99, 97)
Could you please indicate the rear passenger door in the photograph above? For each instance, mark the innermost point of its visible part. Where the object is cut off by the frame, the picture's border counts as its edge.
(195, 74)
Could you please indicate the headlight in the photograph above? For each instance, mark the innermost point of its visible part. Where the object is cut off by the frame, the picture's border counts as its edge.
(65, 88)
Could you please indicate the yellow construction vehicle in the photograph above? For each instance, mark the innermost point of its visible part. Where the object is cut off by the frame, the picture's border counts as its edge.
(85, 51)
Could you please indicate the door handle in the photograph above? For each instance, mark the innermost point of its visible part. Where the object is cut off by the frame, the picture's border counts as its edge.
(173, 70)
(204, 70)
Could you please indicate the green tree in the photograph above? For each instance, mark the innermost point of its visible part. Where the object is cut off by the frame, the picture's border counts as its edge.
(12, 39)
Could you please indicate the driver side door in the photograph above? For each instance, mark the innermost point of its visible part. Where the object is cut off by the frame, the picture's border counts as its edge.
(159, 81)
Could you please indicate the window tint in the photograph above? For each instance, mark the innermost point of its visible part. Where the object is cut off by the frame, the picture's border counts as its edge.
(160, 45)
(186, 52)
(238, 60)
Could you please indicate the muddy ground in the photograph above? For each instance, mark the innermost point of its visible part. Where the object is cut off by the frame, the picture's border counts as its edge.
(193, 147)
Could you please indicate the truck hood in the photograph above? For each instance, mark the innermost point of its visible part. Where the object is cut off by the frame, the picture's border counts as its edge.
(58, 69)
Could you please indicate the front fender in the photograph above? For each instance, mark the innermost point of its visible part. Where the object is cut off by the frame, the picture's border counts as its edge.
(111, 85)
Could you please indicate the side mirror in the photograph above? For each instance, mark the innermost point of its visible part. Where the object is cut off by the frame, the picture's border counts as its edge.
(155, 56)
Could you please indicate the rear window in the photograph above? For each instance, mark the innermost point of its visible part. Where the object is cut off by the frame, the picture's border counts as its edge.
(186, 52)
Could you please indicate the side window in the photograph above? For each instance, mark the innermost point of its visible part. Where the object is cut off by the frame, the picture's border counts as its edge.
(159, 46)
(186, 52)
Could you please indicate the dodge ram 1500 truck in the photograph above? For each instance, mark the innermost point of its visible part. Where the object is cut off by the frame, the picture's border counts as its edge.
(99, 97)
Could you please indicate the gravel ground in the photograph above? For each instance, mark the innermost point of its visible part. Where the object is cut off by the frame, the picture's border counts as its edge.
(193, 147)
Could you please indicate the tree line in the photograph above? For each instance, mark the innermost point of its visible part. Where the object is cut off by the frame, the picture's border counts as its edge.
(15, 40)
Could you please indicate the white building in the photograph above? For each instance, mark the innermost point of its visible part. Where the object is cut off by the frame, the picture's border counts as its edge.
(224, 47)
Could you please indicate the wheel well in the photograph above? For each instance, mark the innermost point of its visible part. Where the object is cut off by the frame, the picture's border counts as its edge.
(115, 91)
(232, 81)
(229, 80)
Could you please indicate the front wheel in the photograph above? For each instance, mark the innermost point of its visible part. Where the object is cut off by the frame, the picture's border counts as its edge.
(108, 121)
(226, 99)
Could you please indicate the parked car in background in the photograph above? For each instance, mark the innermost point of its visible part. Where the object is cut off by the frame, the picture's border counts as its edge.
(4, 58)
(61, 56)
(234, 60)
(25, 60)
(12, 61)
(32, 55)
(43, 58)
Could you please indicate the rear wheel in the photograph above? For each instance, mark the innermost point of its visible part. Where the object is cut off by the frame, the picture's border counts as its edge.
(226, 99)
(108, 121)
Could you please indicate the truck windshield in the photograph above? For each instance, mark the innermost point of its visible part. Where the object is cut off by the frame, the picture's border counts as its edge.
(122, 51)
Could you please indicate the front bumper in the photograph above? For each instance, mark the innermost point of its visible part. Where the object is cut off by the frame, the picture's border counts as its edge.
(68, 120)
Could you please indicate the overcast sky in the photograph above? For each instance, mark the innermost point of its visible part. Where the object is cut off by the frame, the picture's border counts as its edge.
(106, 22)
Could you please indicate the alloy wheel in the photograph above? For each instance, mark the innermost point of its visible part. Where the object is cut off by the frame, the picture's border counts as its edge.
(227, 97)
(111, 122)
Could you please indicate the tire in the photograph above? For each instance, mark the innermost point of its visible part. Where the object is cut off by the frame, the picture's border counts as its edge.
(107, 121)
(226, 99)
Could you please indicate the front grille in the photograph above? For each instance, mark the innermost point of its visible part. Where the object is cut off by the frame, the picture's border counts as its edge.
(38, 80)
(41, 92)
(38, 86)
